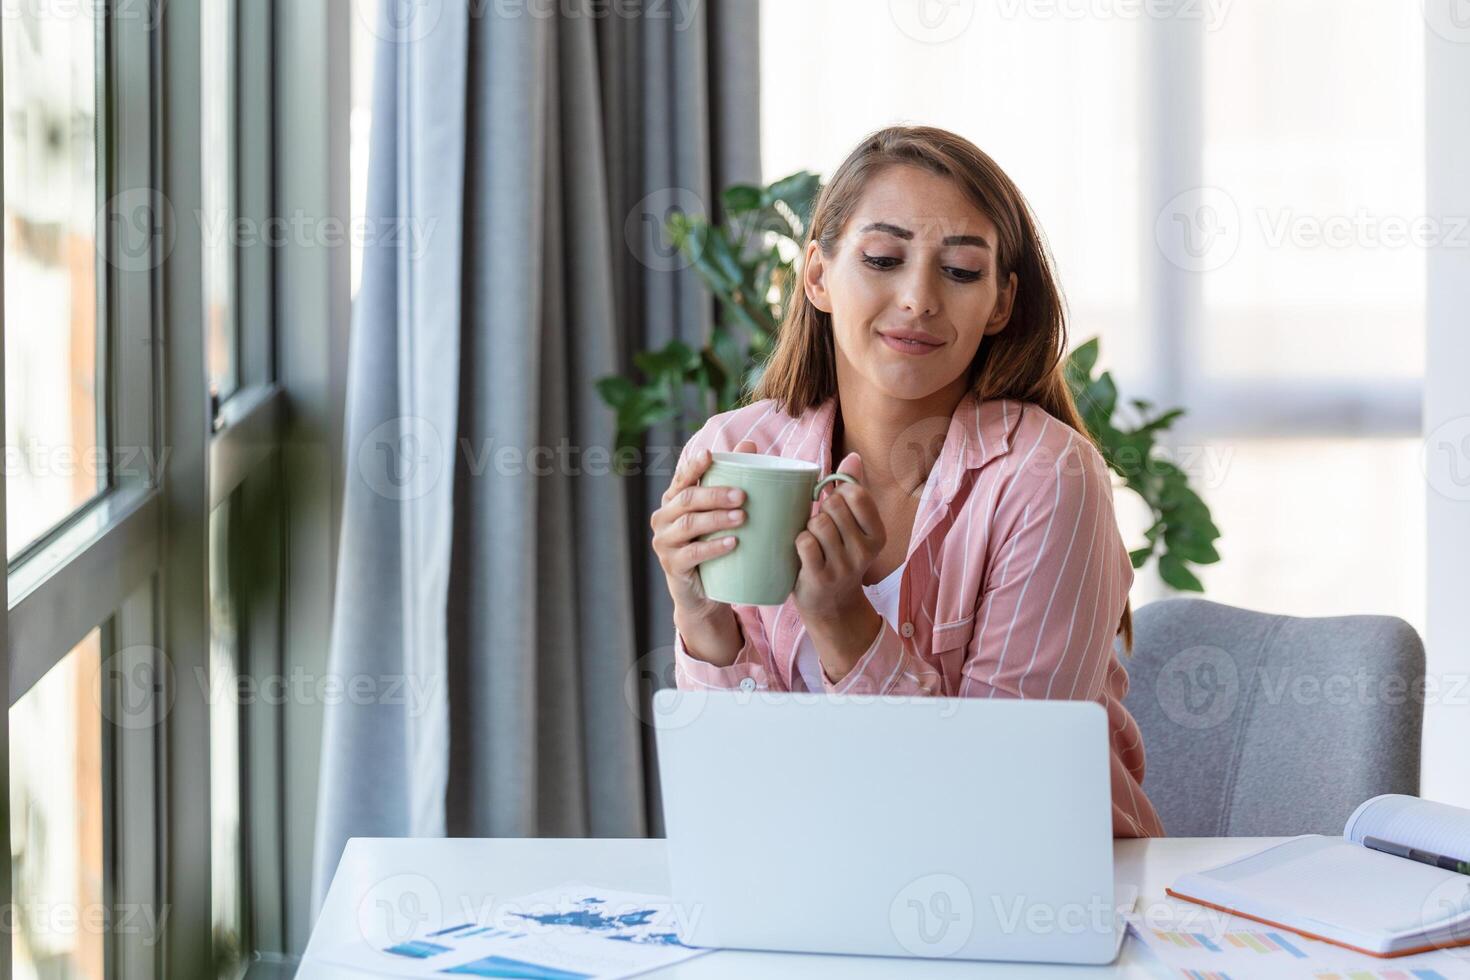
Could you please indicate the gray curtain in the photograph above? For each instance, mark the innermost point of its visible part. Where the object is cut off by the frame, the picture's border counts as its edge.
(496, 589)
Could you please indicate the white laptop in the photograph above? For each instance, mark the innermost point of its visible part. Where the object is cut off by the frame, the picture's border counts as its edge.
(932, 827)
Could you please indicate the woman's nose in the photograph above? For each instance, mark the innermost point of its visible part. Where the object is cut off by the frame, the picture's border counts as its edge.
(920, 294)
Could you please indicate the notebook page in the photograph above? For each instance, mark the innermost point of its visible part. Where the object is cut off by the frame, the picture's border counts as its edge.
(1412, 822)
(1327, 884)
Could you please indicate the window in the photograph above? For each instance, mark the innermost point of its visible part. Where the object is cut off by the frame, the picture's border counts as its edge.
(1292, 331)
(218, 228)
(56, 820)
(145, 486)
(53, 392)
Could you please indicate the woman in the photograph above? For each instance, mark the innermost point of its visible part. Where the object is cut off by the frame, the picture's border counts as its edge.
(979, 557)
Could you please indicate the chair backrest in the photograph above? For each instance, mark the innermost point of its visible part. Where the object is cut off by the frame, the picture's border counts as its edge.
(1262, 725)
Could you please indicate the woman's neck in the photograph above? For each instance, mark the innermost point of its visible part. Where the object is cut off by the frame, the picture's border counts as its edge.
(899, 440)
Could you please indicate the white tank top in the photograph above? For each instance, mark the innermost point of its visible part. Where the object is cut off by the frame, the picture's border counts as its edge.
(884, 597)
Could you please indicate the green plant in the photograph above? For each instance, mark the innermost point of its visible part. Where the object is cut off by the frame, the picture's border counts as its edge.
(748, 263)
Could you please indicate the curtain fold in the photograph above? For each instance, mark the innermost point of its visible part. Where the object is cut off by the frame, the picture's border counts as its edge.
(489, 555)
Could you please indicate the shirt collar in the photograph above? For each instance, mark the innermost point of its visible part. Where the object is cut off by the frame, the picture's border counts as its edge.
(978, 432)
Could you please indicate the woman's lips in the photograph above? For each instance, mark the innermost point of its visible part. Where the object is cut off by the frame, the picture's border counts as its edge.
(909, 347)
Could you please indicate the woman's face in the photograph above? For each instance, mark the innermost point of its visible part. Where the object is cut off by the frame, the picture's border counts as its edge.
(916, 259)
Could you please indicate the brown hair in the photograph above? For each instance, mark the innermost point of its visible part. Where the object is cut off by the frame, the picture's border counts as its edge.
(1024, 361)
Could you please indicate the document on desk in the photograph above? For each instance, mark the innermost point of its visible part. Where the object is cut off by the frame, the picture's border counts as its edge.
(572, 931)
(1207, 944)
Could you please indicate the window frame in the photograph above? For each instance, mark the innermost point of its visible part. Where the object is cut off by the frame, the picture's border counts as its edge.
(135, 559)
(1351, 407)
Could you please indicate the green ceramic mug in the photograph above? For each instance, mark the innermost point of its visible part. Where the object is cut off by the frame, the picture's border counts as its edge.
(779, 494)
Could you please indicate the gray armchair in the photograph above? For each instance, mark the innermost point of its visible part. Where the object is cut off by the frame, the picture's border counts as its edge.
(1258, 724)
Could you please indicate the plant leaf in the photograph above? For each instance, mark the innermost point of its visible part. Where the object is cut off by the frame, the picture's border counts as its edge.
(741, 198)
(614, 389)
(1172, 571)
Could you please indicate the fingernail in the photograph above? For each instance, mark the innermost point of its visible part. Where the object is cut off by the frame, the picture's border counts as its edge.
(733, 496)
(735, 515)
(728, 542)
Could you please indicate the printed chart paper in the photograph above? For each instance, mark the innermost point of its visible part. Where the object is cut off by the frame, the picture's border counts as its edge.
(572, 931)
(1205, 944)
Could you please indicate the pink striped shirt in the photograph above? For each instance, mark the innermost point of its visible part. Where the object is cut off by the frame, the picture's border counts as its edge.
(1015, 582)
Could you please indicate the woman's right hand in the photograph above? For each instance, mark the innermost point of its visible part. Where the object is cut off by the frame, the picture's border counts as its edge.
(688, 512)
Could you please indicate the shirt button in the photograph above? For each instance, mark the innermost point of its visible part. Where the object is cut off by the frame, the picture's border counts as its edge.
(907, 629)
(747, 683)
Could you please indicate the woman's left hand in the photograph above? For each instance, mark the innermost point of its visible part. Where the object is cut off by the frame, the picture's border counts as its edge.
(837, 547)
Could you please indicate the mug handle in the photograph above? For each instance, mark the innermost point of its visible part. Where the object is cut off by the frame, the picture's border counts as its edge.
(817, 491)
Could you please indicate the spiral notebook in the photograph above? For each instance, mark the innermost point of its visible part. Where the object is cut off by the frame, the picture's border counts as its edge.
(1372, 890)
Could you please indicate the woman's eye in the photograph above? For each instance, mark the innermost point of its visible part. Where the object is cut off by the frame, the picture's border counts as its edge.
(880, 261)
(965, 275)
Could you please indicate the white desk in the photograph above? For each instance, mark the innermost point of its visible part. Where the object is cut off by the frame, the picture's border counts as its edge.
(469, 871)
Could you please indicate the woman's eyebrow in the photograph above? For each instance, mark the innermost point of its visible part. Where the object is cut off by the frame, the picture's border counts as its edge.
(907, 235)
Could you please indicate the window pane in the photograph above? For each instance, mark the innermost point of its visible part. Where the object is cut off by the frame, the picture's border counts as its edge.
(52, 383)
(363, 51)
(959, 66)
(217, 64)
(225, 771)
(56, 799)
(1316, 527)
(1324, 184)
